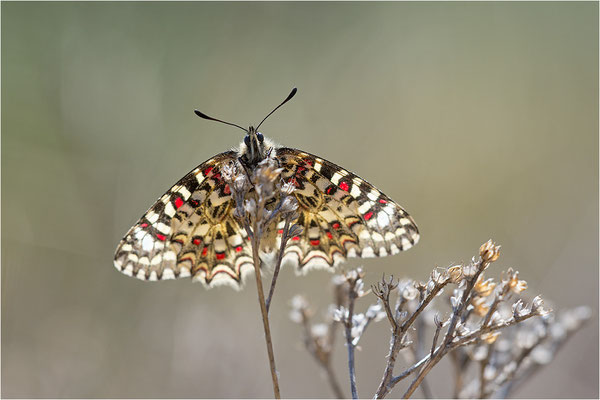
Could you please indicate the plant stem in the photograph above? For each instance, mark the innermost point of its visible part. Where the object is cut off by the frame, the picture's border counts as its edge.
(349, 344)
(284, 239)
(265, 315)
(443, 348)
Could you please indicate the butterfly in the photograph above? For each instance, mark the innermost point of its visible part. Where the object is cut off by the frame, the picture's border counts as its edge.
(191, 231)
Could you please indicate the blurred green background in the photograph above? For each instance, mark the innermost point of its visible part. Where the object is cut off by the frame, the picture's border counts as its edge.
(481, 119)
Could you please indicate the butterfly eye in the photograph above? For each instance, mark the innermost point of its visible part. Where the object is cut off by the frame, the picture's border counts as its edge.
(247, 141)
(260, 136)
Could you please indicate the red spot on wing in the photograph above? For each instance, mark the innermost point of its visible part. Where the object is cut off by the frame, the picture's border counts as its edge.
(344, 186)
(207, 171)
(329, 235)
(220, 256)
(227, 190)
(383, 201)
(336, 225)
(280, 231)
(308, 161)
(315, 242)
(196, 241)
(204, 251)
(144, 225)
(161, 237)
(330, 190)
(296, 238)
(178, 202)
(368, 215)
(238, 248)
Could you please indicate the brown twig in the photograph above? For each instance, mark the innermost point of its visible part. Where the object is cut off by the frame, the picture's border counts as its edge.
(265, 314)
(349, 343)
(284, 240)
(439, 353)
(398, 332)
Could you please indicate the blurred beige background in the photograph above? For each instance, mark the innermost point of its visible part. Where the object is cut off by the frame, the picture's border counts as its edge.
(481, 119)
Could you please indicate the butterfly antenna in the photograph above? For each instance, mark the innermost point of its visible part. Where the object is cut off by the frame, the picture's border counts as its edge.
(202, 115)
(292, 94)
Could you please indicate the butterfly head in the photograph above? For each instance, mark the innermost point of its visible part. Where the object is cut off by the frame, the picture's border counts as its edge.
(255, 148)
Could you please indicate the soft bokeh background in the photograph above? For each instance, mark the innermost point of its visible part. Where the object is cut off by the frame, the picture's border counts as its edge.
(480, 118)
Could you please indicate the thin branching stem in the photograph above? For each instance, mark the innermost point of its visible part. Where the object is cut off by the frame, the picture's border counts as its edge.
(398, 332)
(439, 353)
(265, 316)
(349, 344)
(284, 239)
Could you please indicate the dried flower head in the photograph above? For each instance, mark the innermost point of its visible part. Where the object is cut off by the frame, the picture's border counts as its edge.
(407, 290)
(537, 306)
(484, 288)
(288, 205)
(480, 306)
(489, 252)
(265, 177)
(455, 273)
(512, 281)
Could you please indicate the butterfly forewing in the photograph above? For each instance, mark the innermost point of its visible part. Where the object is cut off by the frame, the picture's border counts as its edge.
(342, 214)
(189, 231)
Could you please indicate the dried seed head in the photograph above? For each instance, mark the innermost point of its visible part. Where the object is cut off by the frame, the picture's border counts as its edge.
(240, 183)
(469, 270)
(537, 306)
(407, 290)
(480, 306)
(340, 314)
(514, 284)
(519, 309)
(265, 177)
(436, 277)
(489, 252)
(484, 288)
(455, 273)
(288, 205)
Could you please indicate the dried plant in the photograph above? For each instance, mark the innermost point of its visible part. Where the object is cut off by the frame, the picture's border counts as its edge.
(262, 201)
(495, 339)
(485, 325)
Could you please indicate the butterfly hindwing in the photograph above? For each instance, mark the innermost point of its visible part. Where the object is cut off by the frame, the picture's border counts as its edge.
(342, 214)
(189, 231)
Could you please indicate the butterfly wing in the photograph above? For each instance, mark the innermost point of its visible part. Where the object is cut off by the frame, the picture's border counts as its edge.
(342, 214)
(189, 231)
